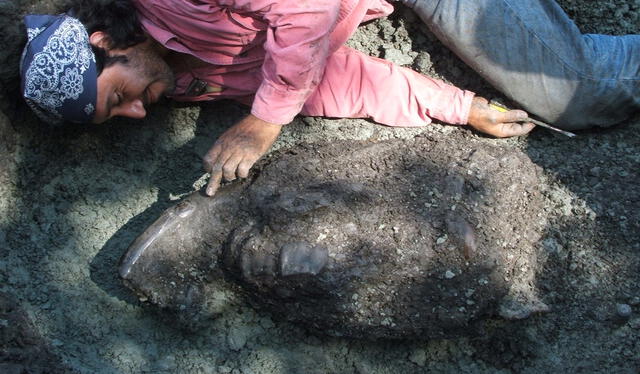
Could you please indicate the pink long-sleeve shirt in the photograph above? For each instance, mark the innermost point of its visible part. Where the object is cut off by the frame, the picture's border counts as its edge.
(286, 57)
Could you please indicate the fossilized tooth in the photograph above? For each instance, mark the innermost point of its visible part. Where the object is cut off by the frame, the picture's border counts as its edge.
(395, 239)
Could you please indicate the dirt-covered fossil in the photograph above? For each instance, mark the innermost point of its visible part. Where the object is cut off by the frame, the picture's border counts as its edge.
(404, 238)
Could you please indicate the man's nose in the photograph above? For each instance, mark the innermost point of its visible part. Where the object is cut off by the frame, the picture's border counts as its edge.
(132, 109)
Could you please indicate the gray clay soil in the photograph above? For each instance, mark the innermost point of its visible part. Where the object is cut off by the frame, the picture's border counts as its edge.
(72, 200)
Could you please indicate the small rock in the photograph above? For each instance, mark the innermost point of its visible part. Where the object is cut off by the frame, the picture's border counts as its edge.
(623, 310)
(418, 357)
(266, 323)
(57, 343)
(396, 56)
(449, 274)
(551, 245)
(423, 63)
(634, 301)
(237, 338)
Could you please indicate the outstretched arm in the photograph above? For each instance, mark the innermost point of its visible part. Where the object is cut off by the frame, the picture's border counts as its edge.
(359, 86)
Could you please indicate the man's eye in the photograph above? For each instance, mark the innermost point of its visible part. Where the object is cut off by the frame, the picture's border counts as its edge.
(118, 98)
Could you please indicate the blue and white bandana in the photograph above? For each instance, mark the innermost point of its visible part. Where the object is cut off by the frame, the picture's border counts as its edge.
(58, 69)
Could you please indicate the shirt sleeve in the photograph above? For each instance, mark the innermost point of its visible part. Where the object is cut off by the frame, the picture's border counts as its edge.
(359, 86)
(297, 47)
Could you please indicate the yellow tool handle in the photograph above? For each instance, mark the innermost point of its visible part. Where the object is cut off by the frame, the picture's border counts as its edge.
(501, 108)
(498, 107)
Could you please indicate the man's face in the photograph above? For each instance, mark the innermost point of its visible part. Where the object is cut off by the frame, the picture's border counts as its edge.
(124, 89)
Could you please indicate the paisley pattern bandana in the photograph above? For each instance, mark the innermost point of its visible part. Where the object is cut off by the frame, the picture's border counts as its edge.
(58, 69)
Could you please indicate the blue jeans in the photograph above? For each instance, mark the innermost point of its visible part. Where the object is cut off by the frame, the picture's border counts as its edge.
(532, 52)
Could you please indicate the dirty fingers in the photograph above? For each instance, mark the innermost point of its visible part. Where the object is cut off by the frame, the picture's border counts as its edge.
(497, 123)
(237, 149)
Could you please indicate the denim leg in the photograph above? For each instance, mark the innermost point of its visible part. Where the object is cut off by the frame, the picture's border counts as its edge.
(533, 53)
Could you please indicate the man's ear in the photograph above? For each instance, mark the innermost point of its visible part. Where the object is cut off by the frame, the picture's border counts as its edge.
(101, 39)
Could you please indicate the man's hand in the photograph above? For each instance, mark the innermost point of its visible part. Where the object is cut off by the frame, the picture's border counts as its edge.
(493, 122)
(237, 149)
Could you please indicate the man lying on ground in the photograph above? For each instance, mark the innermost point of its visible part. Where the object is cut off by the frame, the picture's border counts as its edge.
(287, 57)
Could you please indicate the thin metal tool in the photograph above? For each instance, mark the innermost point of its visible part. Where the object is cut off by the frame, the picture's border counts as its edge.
(501, 108)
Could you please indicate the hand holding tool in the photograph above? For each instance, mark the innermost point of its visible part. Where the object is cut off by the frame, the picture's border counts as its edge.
(501, 108)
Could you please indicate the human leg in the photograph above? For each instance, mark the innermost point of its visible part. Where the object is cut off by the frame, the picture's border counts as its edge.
(534, 54)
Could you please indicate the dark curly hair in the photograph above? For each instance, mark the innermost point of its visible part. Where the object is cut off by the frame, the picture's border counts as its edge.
(117, 18)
